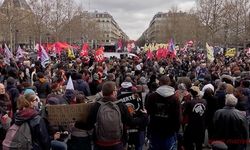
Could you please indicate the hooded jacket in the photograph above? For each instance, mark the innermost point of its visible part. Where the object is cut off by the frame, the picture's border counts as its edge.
(83, 86)
(40, 136)
(164, 110)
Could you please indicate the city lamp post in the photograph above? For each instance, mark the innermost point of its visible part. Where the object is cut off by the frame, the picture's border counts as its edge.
(16, 42)
(30, 41)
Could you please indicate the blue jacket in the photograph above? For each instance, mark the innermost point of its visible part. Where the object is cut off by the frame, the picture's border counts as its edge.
(81, 85)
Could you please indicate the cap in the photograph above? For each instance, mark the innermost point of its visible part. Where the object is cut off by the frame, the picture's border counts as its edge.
(196, 89)
(29, 91)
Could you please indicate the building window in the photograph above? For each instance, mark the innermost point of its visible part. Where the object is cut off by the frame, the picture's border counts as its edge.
(107, 40)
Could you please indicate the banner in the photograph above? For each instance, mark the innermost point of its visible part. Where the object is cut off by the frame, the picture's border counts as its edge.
(231, 52)
(154, 47)
(99, 55)
(210, 53)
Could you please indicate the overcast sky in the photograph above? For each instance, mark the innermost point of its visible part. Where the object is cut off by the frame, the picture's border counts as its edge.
(134, 16)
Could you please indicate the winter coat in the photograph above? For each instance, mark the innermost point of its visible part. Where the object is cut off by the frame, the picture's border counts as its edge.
(242, 103)
(196, 111)
(5, 104)
(14, 94)
(231, 126)
(83, 86)
(94, 87)
(212, 107)
(43, 88)
(39, 131)
(221, 94)
(164, 110)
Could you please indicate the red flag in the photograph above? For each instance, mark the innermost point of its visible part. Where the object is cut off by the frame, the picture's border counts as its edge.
(159, 53)
(150, 54)
(119, 44)
(99, 55)
(85, 48)
(58, 48)
(164, 52)
(129, 47)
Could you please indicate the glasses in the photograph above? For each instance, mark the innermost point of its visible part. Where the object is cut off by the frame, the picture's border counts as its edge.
(33, 100)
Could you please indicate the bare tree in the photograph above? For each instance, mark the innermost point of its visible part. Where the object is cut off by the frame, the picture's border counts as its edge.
(57, 17)
(41, 10)
(14, 20)
(210, 13)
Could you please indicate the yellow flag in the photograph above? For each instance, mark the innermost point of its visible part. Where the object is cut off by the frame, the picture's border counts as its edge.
(153, 48)
(231, 52)
(71, 53)
(145, 47)
(210, 53)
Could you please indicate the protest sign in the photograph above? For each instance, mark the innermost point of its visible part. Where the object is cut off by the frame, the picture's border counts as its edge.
(64, 115)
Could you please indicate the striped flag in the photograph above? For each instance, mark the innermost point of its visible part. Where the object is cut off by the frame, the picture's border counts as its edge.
(38, 50)
(45, 59)
(171, 47)
(7, 54)
(20, 53)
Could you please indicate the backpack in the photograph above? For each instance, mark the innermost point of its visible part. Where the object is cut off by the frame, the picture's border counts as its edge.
(109, 125)
(18, 138)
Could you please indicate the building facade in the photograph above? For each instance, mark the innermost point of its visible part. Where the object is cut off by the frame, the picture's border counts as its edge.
(111, 31)
(180, 26)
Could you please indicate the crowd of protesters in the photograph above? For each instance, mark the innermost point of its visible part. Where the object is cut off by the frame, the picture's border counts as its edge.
(179, 99)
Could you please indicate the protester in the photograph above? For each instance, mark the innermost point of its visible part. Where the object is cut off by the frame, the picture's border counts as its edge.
(42, 85)
(212, 107)
(13, 92)
(27, 113)
(195, 109)
(164, 110)
(231, 125)
(105, 136)
(137, 84)
(5, 112)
